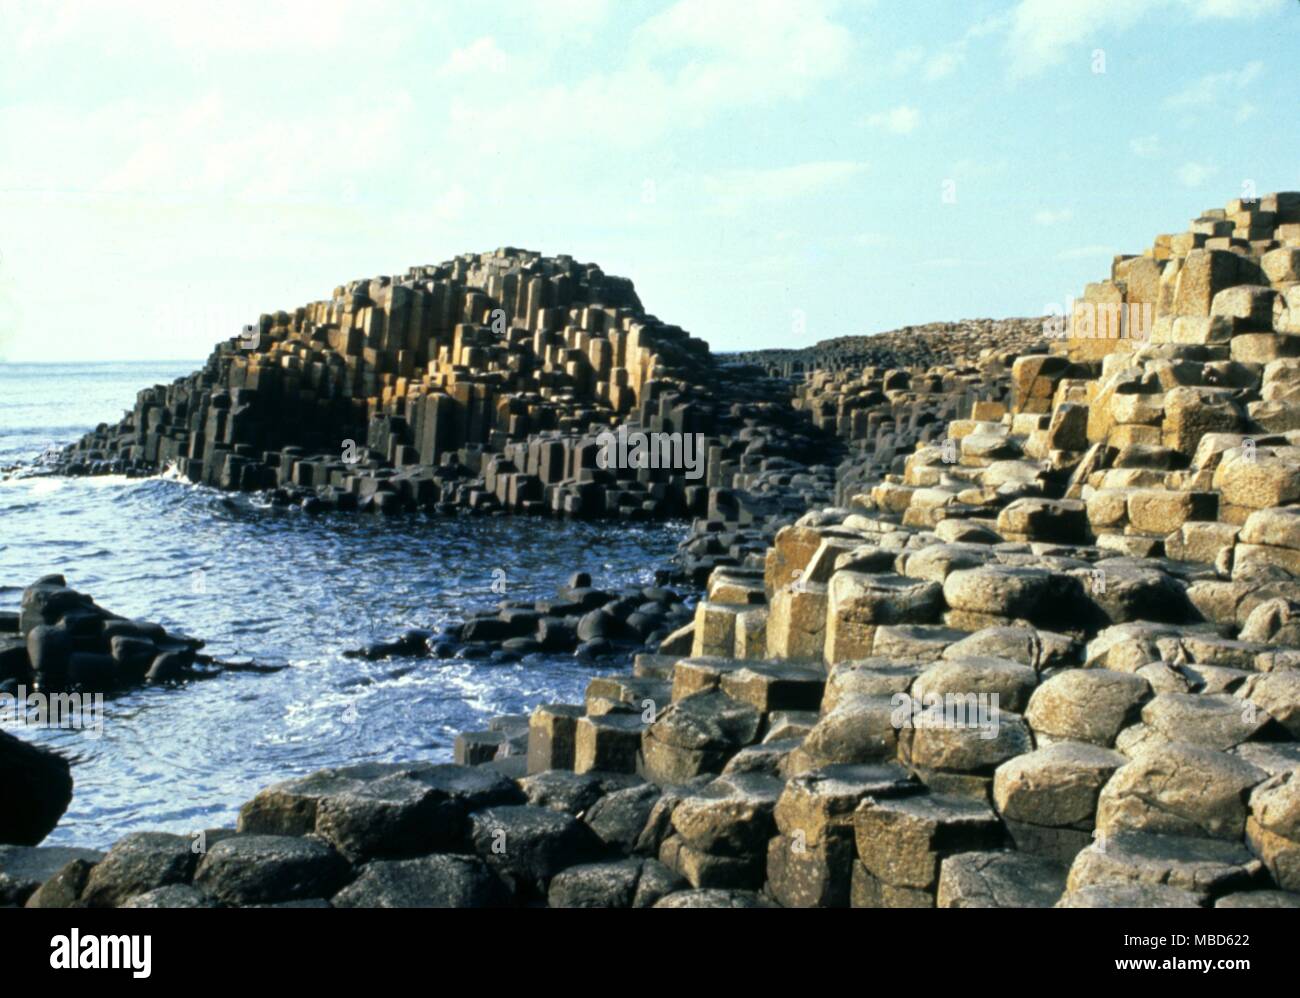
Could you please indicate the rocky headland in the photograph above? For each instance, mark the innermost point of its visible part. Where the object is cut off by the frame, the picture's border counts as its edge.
(985, 614)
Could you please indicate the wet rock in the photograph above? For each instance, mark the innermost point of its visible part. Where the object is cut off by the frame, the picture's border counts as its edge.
(23, 869)
(63, 890)
(631, 883)
(171, 896)
(265, 869)
(713, 898)
(437, 881)
(529, 845)
(619, 817)
(380, 810)
(138, 863)
(563, 790)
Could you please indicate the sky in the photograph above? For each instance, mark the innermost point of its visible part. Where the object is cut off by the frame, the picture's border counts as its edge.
(768, 174)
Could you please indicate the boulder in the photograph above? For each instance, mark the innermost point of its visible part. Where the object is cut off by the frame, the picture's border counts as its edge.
(171, 896)
(1273, 827)
(697, 735)
(629, 883)
(859, 729)
(529, 845)
(999, 880)
(437, 881)
(38, 785)
(731, 816)
(1176, 788)
(820, 805)
(1204, 867)
(1131, 895)
(1011, 682)
(1004, 591)
(901, 841)
(713, 898)
(859, 603)
(63, 890)
(375, 810)
(246, 869)
(1055, 786)
(1214, 721)
(24, 869)
(138, 863)
(619, 817)
(1086, 705)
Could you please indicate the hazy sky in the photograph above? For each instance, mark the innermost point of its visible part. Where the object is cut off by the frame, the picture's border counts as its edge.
(769, 174)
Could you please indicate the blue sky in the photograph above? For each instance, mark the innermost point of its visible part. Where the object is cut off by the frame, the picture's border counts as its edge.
(769, 174)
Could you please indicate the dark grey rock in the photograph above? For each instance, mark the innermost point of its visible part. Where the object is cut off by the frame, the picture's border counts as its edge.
(264, 869)
(37, 784)
(138, 863)
(437, 881)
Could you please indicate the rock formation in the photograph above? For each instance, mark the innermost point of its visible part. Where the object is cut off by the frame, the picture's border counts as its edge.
(1040, 648)
(481, 383)
(62, 640)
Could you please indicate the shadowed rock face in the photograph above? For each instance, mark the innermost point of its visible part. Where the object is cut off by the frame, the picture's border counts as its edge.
(38, 785)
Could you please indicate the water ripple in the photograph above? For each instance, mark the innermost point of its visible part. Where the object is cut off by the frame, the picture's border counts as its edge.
(278, 586)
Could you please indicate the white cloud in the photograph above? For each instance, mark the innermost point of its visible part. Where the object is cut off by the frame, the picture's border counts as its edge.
(1209, 89)
(905, 60)
(901, 120)
(943, 64)
(753, 51)
(1043, 32)
(1194, 174)
(569, 14)
(1145, 146)
(734, 191)
(238, 26)
(948, 58)
(683, 68)
(1230, 9)
(480, 56)
(1049, 217)
(1245, 112)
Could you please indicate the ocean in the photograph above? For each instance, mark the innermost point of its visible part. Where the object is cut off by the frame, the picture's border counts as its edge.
(278, 587)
